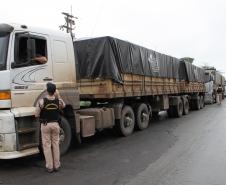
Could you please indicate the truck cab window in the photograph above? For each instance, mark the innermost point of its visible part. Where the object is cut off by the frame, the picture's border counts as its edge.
(27, 54)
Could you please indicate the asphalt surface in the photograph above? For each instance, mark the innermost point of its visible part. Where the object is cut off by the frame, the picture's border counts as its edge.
(186, 151)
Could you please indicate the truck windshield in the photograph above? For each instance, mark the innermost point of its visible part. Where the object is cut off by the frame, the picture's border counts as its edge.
(3, 51)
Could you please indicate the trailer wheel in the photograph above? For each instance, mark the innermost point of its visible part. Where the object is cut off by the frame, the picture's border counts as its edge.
(178, 109)
(197, 103)
(65, 136)
(201, 102)
(204, 104)
(142, 116)
(214, 98)
(185, 106)
(125, 125)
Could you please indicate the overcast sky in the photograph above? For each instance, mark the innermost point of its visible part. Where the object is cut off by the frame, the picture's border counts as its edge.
(180, 28)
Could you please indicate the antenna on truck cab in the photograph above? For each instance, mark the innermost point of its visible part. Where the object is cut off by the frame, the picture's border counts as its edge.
(69, 23)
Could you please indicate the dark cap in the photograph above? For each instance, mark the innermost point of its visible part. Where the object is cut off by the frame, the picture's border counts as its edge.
(51, 88)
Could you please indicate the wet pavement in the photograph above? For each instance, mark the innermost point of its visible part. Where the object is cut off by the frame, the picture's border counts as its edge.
(197, 158)
(190, 150)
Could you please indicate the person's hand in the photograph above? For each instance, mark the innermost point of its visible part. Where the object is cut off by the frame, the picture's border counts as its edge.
(40, 60)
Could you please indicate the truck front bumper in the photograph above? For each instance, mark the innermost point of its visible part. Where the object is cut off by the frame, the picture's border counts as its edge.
(18, 154)
(8, 138)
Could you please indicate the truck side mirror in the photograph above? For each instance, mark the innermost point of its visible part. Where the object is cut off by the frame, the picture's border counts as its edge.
(31, 49)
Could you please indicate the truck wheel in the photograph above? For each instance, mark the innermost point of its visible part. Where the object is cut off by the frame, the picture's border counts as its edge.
(201, 102)
(204, 103)
(185, 106)
(197, 103)
(142, 116)
(214, 98)
(178, 109)
(65, 136)
(125, 126)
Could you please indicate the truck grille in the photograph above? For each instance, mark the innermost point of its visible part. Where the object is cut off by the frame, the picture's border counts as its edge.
(27, 132)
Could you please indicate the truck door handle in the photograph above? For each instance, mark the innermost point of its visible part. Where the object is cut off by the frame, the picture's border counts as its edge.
(47, 79)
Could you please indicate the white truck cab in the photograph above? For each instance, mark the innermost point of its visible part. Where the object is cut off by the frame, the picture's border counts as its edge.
(23, 81)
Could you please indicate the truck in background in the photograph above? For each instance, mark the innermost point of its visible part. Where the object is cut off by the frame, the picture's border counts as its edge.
(213, 80)
(122, 84)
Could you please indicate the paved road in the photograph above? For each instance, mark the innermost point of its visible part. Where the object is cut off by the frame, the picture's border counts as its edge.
(187, 151)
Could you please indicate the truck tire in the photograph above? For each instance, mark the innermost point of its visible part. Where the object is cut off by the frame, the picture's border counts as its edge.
(125, 125)
(201, 102)
(65, 136)
(197, 103)
(214, 98)
(142, 116)
(185, 106)
(178, 109)
(204, 104)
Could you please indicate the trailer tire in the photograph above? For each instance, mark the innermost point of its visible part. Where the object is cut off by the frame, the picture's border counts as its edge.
(178, 109)
(65, 136)
(204, 103)
(142, 116)
(197, 103)
(185, 106)
(125, 125)
(201, 102)
(214, 98)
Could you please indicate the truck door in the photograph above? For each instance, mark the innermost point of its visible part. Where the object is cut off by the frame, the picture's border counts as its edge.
(28, 75)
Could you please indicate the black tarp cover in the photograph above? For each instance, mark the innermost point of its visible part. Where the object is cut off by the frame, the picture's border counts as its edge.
(109, 58)
(190, 72)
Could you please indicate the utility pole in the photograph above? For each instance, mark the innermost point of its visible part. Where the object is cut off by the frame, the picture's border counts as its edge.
(69, 23)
